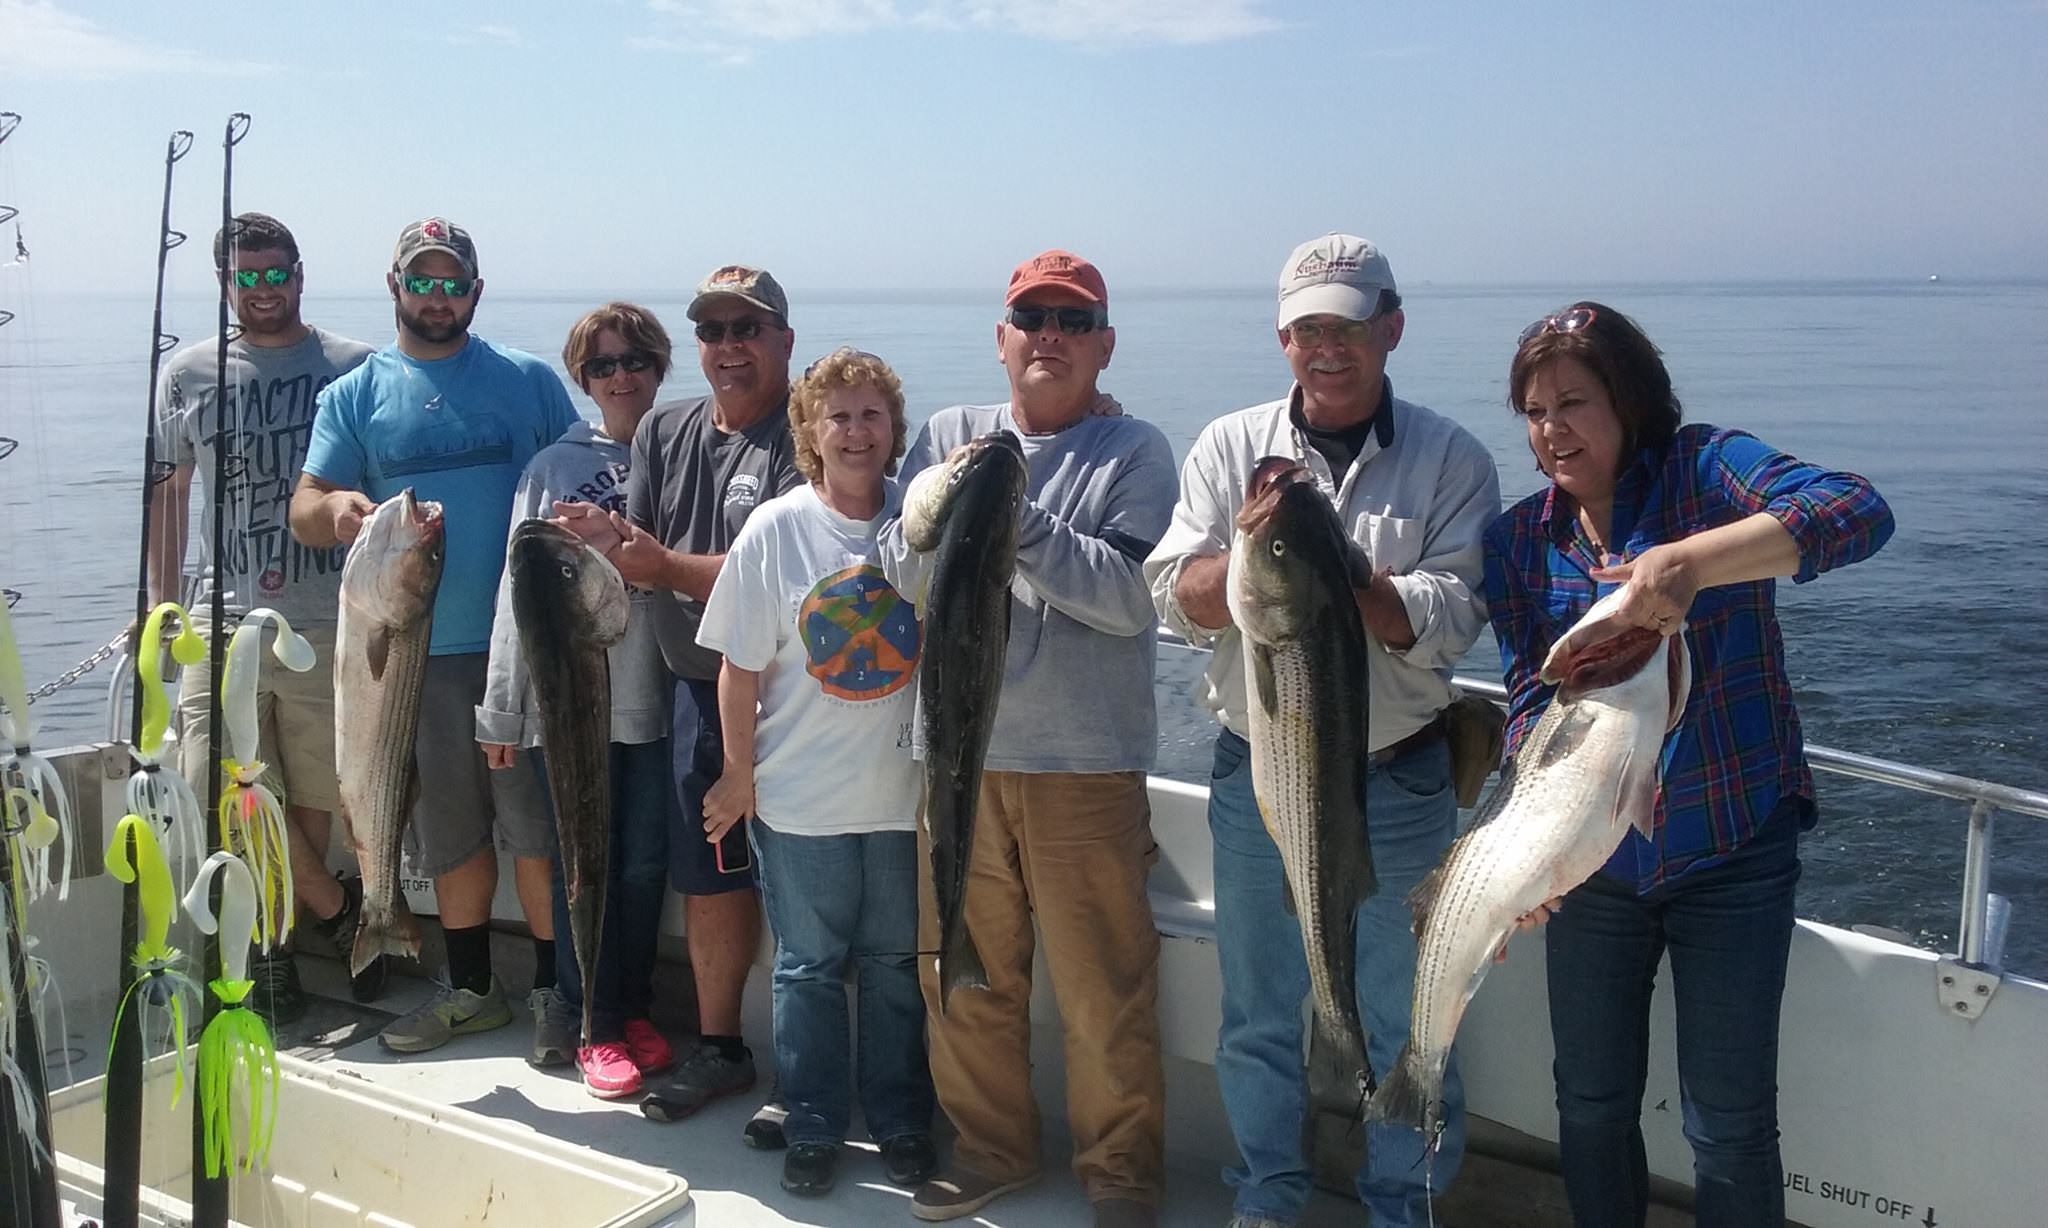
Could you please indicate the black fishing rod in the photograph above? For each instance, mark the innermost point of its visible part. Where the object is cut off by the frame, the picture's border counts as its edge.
(210, 1191)
(121, 1202)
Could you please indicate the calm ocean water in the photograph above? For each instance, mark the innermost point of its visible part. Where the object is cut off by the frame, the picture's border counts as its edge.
(1931, 653)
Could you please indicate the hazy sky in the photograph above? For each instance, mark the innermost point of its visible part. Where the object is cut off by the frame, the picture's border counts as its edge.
(620, 145)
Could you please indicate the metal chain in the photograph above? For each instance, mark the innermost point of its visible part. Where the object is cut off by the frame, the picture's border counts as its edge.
(113, 648)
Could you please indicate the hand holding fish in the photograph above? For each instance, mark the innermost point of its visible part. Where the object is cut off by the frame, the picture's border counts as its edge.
(639, 556)
(1662, 583)
(499, 755)
(1530, 920)
(728, 801)
(349, 510)
(591, 523)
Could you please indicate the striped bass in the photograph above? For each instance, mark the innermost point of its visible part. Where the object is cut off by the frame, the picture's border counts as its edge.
(380, 662)
(1585, 775)
(1290, 588)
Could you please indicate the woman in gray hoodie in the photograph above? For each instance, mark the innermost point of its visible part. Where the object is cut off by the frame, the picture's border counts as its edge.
(618, 354)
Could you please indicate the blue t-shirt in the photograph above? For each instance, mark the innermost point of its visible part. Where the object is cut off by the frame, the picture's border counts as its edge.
(458, 431)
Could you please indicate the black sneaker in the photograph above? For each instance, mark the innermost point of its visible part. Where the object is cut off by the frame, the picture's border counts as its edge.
(809, 1168)
(763, 1131)
(910, 1159)
(368, 985)
(277, 994)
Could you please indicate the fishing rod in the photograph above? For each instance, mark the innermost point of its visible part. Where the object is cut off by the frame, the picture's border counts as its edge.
(121, 1202)
(210, 1180)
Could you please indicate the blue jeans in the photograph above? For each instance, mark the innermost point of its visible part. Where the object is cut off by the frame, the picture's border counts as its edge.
(835, 902)
(636, 887)
(1728, 929)
(1411, 819)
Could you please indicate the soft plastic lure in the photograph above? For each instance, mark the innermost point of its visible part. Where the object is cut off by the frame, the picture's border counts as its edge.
(237, 1056)
(158, 792)
(35, 813)
(161, 990)
(251, 816)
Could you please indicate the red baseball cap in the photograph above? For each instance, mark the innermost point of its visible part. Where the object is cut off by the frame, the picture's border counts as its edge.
(1060, 269)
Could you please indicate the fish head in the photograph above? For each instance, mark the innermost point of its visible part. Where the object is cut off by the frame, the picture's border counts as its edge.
(1290, 561)
(567, 574)
(1628, 664)
(982, 481)
(394, 564)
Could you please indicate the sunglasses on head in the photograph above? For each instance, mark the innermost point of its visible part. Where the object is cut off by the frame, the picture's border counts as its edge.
(1072, 321)
(1569, 321)
(847, 350)
(633, 362)
(712, 332)
(1307, 334)
(453, 287)
(276, 275)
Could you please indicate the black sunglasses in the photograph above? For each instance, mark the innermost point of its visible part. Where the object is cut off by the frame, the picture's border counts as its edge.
(711, 332)
(633, 362)
(1073, 321)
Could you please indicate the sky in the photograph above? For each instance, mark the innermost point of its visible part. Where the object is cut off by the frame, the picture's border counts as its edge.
(862, 145)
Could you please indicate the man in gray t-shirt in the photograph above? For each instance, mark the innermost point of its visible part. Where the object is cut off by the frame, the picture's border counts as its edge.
(275, 368)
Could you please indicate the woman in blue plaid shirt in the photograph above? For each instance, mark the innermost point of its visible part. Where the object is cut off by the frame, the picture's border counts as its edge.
(1702, 522)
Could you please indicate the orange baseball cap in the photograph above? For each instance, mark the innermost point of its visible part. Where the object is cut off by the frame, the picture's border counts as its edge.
(1060, 269)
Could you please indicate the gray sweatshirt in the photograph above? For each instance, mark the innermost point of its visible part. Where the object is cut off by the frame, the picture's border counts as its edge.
(584, 466)
(1077, 678)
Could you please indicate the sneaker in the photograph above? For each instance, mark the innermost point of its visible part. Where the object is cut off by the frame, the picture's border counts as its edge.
(277, 995)
(809, 1168)
(763, 1131)
(1125, 1213)
(609, 1072)
(702, 1077)
(448, 1014)
(910, 1160)
(369, 984)
(960, 1193)
(557, 1027)
(650, 1049)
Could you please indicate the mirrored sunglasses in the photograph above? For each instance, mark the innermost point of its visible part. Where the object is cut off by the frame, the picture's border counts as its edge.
(453, 287)
(1570, 321)
(276, 275)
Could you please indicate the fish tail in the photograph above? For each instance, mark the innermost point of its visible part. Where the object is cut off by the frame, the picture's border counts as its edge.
(1412, 1094)
(385, 931)
(960, 966)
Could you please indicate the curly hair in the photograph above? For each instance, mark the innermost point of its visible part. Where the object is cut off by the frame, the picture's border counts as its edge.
(253, 232)
(631, 321)
(1621, 355)
(842, 368)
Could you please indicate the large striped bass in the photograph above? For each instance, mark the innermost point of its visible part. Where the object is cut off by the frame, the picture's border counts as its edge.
(1585, 775)
(569, 606)
(964, 512)
(1292, 577)
(380, 663)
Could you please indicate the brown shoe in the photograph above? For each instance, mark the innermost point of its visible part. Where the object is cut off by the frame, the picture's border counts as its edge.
(1125, 1213)
(959, 1192)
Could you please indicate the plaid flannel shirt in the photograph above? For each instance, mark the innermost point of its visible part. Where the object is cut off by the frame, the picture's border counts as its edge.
(1738, 753)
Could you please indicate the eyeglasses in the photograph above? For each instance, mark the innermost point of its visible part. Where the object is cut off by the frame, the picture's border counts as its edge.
(1307, 334)
(1072, 321)
(633, 362)
(712, 332)
(453, 287)
(1570, 321)
(846, 351)
(276, 275)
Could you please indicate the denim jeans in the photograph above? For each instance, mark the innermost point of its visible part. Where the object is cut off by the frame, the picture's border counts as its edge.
(835, 901)
(1411, 818)
(636, 888)
(1728, 929)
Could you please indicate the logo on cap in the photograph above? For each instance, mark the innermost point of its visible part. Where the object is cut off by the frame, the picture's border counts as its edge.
(433, 229)
(1316, 264)
(734, 276)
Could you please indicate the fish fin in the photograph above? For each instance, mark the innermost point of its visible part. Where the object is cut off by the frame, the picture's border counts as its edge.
(1262, 677)
(392, 932)
(960, 966)
(1422, 900)
(1340, 1076)
(379, 646)
(1287, 897)
(1635, 797)
(1411, 1095)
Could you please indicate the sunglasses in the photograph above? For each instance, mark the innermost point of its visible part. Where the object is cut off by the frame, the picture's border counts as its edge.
(712, 332)
(276, 275)
(1072, 321)
(1307, 334)
(846, 350)
(453, 287)
(633, 362)
(1570, 321)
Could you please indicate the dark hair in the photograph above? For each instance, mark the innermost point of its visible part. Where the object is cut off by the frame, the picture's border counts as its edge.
(631, 321)
(1389, 301)
(1627, 364)
(254, 232)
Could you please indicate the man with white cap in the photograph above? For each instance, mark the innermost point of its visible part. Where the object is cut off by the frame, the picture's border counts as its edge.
(1416, 491)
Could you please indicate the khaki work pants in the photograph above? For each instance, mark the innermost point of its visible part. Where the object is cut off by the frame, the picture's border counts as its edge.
(1072, 849)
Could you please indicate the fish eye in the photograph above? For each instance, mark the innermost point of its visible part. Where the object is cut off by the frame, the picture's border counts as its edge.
(568, 572)
(1279, 547)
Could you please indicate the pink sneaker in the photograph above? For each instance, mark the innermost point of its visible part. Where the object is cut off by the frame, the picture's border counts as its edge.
(608, 1070)
(650, 1049)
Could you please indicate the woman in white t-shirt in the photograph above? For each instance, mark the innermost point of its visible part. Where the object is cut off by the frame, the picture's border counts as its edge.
(816, 697)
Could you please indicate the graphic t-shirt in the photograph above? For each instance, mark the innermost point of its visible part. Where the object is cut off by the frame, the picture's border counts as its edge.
(802, 599)
(271, 393)
(458, 431)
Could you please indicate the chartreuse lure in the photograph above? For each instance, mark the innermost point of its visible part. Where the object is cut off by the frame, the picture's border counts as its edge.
(237, 1057)
(251, 816)
(35, 814)
(161, 990)
(158, 792)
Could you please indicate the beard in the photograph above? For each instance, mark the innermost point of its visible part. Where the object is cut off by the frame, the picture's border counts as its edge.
(435, 333)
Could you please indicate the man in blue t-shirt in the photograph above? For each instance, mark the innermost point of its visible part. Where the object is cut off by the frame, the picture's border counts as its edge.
(456, 419)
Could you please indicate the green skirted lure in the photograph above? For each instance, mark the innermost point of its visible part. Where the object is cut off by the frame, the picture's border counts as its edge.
(166, 997)
(35, 813)
(13, 1082)
(251, 816)
(158, 791)
(237, 1057)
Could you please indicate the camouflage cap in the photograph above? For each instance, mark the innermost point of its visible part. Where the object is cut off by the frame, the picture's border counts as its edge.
(743, 282)
(434, 234)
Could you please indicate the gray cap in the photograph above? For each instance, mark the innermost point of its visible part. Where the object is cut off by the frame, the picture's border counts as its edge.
(743, 282)
(1337, 275)
(434, 234)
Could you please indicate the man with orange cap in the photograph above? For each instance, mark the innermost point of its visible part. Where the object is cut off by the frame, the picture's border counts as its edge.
(1063, 830)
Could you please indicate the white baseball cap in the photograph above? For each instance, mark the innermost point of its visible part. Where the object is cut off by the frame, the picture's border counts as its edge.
(1338, 275)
